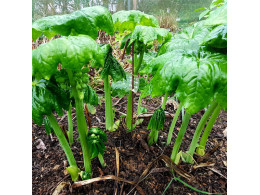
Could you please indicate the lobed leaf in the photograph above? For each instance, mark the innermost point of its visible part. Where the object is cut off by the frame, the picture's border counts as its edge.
(85, 21)
(146, 34)
(121, 88)
(72, 52)
(112, 66)
(188, 39)
(217, 17)
(127, 20)
(195, 76)
(46, 98)
(216, 38)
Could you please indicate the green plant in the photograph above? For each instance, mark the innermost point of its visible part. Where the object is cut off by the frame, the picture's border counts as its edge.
(46, 98)
(45, 60)
(85, 21)
(155, 124)
(192, 66)
(117, 73)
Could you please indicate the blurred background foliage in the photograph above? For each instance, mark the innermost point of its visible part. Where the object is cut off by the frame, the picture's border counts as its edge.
(172, 14)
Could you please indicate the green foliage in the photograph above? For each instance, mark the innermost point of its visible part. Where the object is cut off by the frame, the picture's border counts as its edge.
(112, 66)
(155, 124)
(47, 126)
(195, 76)
(147, 59)
(146, 34)
(90, 96)
(188, 39)
(96, 138)
(216, 38)
(217, 17)
(74, 172)
(121, 88)
(72, 52)
(157, 120)
(85, 21)
(46, 98)
(127, 20)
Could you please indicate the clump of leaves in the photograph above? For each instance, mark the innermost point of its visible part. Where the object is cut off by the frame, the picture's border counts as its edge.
(155, 124)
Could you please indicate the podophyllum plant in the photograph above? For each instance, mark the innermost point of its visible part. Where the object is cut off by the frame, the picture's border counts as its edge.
(46, 98)
(127, 21)
(73, 52)
(117, 73)
(197, 75)
(144, 31)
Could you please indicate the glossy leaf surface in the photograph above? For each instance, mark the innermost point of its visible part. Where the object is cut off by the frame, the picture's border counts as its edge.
(85, 21)
(72, 52)
(146, 34)
(195, 76)
(127, 20)
(46, 98)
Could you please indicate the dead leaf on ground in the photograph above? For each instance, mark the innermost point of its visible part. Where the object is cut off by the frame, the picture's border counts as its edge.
(56, 167)
(59, 188)
(40, 145)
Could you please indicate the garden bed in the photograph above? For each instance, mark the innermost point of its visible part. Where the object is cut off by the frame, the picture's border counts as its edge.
(49, 171)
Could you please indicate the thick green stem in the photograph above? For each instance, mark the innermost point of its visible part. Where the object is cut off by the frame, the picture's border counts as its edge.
(179, 138)
(81, 124)
(70, 126)
(108, 105)
(62, 139)
(165, 100)
(175, 118)
(139, 105)
(204, 138)
(129, 111)
(198, 131)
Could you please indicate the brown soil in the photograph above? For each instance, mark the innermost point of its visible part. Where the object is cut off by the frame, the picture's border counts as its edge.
(48, 165)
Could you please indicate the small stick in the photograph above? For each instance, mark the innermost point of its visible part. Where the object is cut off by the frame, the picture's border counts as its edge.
(88, 117)
(126, 43)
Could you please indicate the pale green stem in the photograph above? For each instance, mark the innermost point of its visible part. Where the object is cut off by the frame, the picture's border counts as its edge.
(179, 138)
(108, 105)
(70, 126)
(81, 124)
(101, 160)
(165, 100)
(62, 139)
(129, 111)
(139, 105)
(198, 131)
(175, 118)
(204, 138)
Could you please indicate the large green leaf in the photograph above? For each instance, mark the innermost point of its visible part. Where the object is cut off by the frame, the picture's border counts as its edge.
(112, 66)
(47, 97)
(146, 34)
(121, 88)
(188, 39)
(195, 76)
(85, 21)
(127, 20)
(216, 38)
(154, 63)
(72, 52)
(217, 17)
(147, 59)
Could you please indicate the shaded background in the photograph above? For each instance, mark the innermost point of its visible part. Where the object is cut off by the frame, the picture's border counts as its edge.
(172, 12)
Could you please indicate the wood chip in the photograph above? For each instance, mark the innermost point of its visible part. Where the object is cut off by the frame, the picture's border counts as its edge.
(59, 188)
